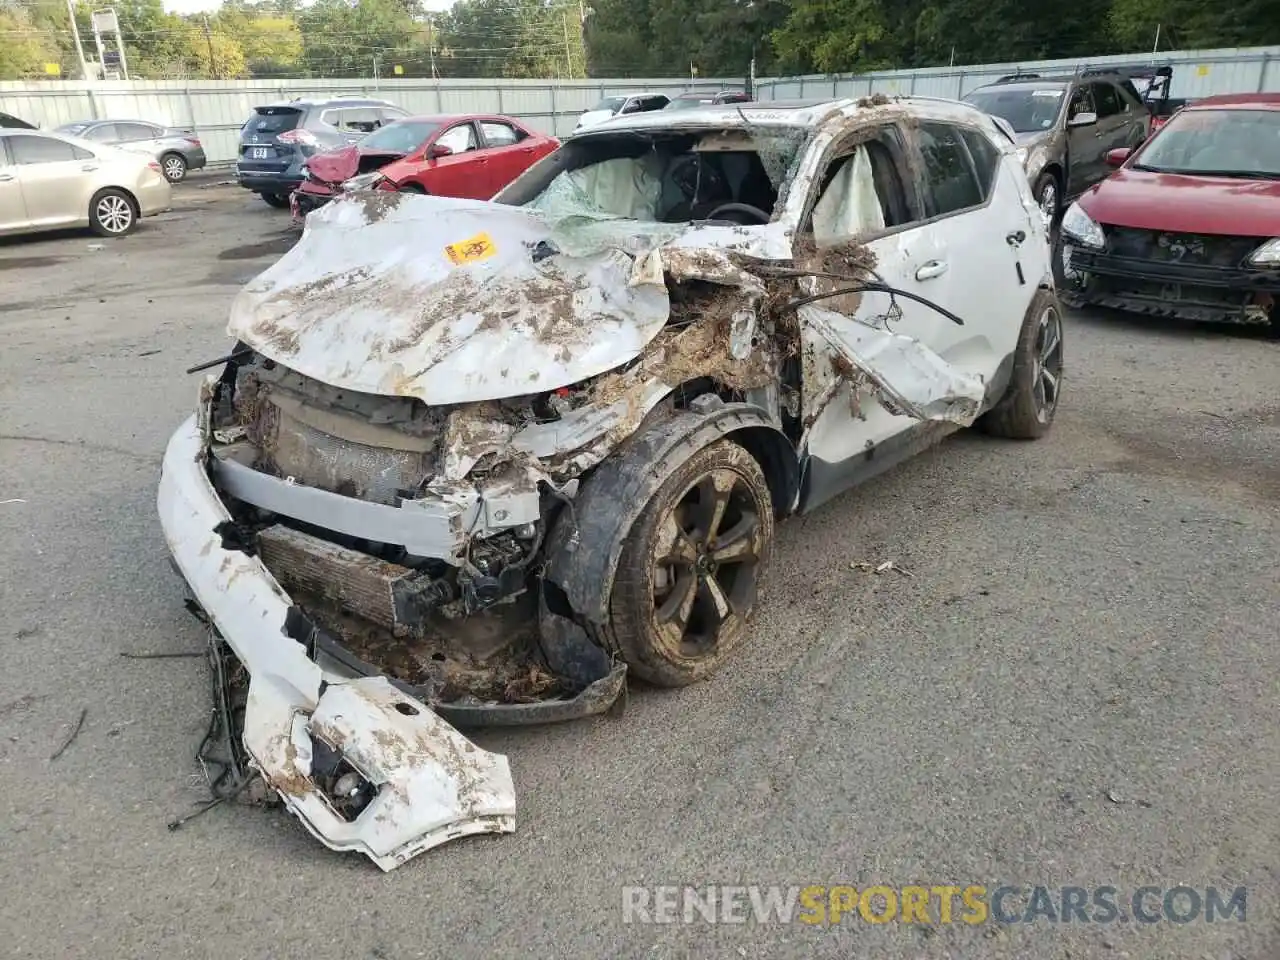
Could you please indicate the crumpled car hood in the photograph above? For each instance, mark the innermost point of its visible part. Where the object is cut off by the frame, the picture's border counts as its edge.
(450, 301)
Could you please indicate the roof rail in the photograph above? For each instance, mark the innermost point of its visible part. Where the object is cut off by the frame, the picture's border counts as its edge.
(1012, 77)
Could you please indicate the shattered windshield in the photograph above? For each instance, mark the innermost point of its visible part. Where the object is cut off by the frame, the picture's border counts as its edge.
(1026, 109)
(1235, 143)
(667, 177)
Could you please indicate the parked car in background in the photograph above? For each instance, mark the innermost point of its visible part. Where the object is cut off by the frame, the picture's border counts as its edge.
(50, 181)
(613, 106)
(1189, 226)
(472, 155)
(9, 122)
(693, 98)
(1065, 126)
(278, 138)
(177, 150)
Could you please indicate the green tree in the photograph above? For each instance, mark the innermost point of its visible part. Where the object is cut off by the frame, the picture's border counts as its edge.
(25, 46)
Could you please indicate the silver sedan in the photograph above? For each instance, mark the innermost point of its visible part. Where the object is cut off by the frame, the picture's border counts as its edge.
(178, 151)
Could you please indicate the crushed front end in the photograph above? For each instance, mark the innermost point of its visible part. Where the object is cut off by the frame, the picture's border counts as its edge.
(1213, 278)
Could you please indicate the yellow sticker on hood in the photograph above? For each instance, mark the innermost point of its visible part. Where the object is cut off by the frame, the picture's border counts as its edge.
(479, 247)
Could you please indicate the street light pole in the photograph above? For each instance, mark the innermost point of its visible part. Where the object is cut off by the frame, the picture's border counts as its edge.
(75, 32)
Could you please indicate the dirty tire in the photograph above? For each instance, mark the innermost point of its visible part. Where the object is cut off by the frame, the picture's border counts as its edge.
(645, 604)
(112, 213)
(410, 188)
(1048, 196)
(174, 166)
(1026, 410)
(278, 200)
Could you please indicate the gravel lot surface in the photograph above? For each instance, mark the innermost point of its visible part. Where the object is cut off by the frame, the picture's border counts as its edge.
(1078, 685)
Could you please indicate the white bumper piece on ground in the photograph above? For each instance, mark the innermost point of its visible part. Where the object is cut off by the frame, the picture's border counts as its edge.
(432, 784)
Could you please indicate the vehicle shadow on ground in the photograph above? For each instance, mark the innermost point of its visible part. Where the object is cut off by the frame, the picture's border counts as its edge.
(1103, 317)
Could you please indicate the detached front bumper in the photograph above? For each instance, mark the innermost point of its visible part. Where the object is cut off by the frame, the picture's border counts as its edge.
(429, 784)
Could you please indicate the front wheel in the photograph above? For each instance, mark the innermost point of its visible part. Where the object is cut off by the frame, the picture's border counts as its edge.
(112, 213)
(278, 200)
(1047, 196)
(688, 574)
(1027, 409)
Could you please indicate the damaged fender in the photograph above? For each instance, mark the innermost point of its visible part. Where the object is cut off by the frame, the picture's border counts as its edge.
(586, 544)
(424, 782)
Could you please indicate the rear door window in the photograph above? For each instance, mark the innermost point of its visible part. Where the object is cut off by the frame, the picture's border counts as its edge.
(985, 156)
(950, 175)
(136, 131)
(270, 121)
(31, 150)
(102, 133)
(498, 134)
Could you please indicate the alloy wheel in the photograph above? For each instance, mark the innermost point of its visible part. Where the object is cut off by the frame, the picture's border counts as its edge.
(175, 168)
(114, 213)
(705, 563)
(1047, 366)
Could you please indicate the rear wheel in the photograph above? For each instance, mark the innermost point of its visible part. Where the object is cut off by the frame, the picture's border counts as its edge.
(1027, 409)
(278, 200)
(689, 569)
(174, 166)
(112, 213)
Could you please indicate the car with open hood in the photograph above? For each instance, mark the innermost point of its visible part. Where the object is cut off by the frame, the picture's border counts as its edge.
(1065, 125)
(1189, 224)
(457, 155)
(476, 463)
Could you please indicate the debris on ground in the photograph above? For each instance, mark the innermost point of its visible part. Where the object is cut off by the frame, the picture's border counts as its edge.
(84, 712)
(882, 567)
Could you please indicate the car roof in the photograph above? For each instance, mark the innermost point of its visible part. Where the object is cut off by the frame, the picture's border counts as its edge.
(1038, 83)
(1253, 101)
(443, 118)
(303, 102)
(797, 113)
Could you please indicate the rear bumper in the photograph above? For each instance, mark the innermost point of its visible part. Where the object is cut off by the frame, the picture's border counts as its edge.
(258, 182)
(1190, 291)
(432, 784)
(196, 159)
(154, 196)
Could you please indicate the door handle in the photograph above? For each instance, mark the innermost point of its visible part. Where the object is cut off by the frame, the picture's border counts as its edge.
(932, 269)
(89, 167)
(5, 177)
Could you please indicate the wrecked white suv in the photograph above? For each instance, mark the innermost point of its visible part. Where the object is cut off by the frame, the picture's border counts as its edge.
(475, 462)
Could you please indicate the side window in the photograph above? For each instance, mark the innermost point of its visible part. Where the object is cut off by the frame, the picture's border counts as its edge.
(986, 158)
(498, 134)
(41, 150)
(102, 133)
(1106, 99)
(656, 103)
(1081, 102)
(1129, 96)
(136, 131)
(950, 176)
(391, 114)
(359, 120)
(862, 192)
(459, 139)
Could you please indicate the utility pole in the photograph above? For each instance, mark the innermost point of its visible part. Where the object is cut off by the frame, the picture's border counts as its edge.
(75, 32)
(208, 39)
(1156, 48)
(431, 46)
(375, 71)
(568, 58)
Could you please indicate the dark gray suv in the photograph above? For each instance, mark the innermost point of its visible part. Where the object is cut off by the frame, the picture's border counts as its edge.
(1064, 127)
(277, 140)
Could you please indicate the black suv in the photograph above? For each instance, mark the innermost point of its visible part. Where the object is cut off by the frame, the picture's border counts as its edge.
(277, 140)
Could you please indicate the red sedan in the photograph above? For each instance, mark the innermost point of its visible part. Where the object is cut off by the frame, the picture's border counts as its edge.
(472, 156)
(1189, 226)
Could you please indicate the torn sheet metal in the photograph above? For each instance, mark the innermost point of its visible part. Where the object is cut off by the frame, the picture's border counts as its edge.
(908, 375)
(432, 784)
(445, 300)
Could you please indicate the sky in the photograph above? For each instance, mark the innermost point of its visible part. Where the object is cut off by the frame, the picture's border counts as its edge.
(208, 6)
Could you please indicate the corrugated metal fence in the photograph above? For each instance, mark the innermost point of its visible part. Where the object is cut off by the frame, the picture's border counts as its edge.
(1196, 73)
(216, 108)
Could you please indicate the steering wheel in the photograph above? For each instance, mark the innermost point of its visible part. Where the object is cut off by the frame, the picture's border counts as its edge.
(684, 173)
(746, 214)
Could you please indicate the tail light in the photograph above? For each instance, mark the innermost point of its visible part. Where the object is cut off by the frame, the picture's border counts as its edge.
(194, 141)
(304, 137)
(153, 165)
